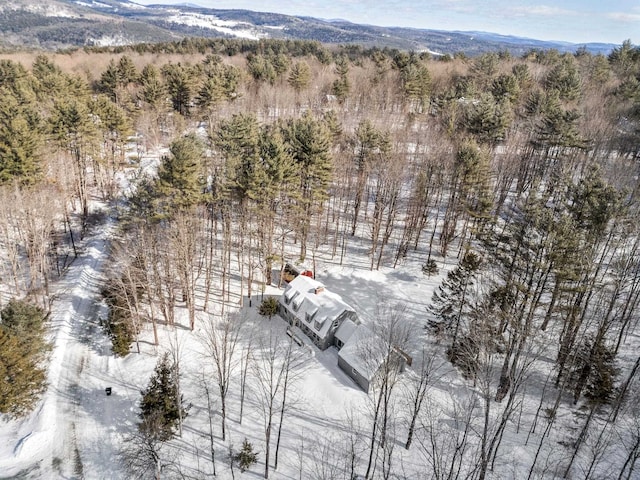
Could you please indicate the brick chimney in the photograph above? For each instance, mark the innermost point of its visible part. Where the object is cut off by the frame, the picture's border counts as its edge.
(319, 289)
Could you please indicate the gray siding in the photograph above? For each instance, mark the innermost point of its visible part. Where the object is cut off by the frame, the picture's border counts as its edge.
(354, 374)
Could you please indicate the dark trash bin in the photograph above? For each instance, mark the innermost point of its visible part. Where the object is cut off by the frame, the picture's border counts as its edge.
(108, 390)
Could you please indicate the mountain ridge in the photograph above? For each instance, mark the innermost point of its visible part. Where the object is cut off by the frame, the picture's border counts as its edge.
(56, 24)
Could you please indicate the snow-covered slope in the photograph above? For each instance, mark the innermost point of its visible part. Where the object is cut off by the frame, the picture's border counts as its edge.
(84, 22)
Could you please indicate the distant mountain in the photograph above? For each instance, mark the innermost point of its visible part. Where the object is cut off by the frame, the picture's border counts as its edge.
(53, 24)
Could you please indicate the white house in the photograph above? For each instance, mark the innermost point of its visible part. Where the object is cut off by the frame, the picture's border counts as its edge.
(308, 305)
(327, 320)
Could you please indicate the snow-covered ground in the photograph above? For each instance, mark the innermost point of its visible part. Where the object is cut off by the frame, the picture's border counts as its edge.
(70, 417)
(211, 22)
(77, 431)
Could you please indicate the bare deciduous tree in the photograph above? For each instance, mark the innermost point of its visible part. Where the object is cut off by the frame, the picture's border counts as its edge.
(221, 337)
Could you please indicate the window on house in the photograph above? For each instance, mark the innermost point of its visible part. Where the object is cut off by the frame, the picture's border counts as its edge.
(289, 295)
(309, 316)
(318, 324)
(297, 301)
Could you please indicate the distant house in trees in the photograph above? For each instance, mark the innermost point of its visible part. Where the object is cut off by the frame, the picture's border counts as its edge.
(308, 305)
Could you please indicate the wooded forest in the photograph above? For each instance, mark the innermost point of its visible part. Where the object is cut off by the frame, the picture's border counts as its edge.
(515, 179)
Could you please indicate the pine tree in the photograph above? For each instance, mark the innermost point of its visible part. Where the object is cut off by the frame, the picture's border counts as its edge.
(564, 79)
(220, 83)
(23, 349)
(368, 143)
(21, 139)
(489, 119)
(506, 87)
(341, 85)
(153, 90)
(246, 457)
(262, 68)
(416, 83)
(74, 129)
(238, 141)
(120, 325)
(179, 182)
(310, 146)
(268, 307)
(594, 372)
(300, 76)
(180, 81)
(115, 126)
(161, 406)
(108, 82)
(451, 302)
(126, 71)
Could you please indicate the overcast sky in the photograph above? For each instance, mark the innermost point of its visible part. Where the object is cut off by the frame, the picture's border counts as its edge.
(577, 21)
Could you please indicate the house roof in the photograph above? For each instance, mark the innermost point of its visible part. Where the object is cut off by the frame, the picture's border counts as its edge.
(361, 352)
(345, 330)
(313, 305)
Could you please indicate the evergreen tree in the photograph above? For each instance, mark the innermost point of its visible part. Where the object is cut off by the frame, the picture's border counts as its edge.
(522, 74)
(120, 325)
(126, 71)
(471, 189)
(506, 87)
(341, 85)
(23, 349)
(564, 79)
(416, 83)
(115, 126)
(558, 128)
(179, 183)
(180, 81)
(74, 129)
(451, 302)
(161, 406)
(246, 457)
(261, 68)
(593, 203)
(488, 119)
(594, 372)
(108, 82)
(300, 76)
(368, 143)
(625, 60)
(485, 66)
(153, 89)
(48, 76)
(220, 82)
(310, 146)
(238, 141)
(21, 140)
(268, 307)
